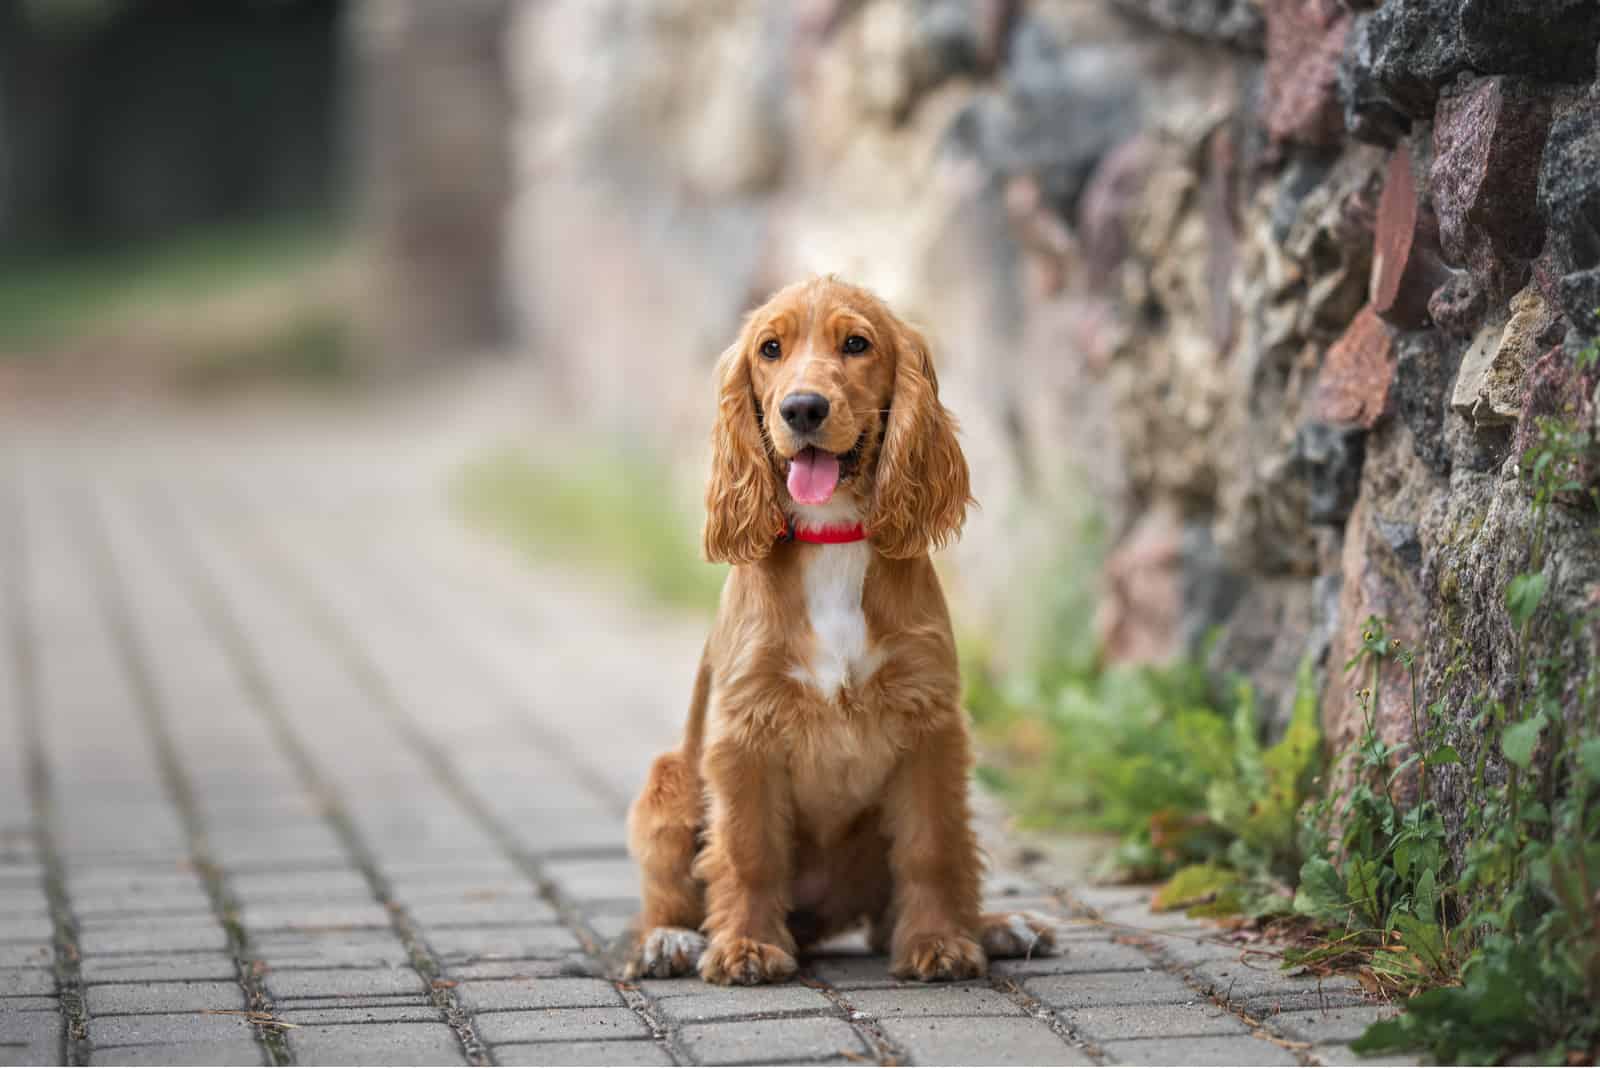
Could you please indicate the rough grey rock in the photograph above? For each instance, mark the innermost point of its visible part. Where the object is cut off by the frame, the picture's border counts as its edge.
(1057, 114)
(1554, 40)
(1424, 372)
(1331, 459)
(1235, 22)
(1569, 198)
(1394, 64)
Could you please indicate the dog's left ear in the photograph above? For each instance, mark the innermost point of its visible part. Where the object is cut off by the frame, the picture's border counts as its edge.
(922, 489)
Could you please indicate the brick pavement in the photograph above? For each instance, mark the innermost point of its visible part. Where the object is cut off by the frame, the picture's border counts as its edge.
(296, 770)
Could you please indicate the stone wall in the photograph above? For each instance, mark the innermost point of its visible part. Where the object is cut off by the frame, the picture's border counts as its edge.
(1276, 289)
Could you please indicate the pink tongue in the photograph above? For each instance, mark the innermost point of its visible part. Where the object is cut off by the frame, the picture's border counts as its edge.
(813, 474)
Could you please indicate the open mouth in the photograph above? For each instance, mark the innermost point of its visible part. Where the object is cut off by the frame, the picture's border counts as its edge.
(815, 473)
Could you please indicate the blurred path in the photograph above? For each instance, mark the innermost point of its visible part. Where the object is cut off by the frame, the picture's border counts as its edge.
(296, 769)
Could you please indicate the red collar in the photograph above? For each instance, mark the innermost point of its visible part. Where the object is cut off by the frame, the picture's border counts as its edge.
(824, 535)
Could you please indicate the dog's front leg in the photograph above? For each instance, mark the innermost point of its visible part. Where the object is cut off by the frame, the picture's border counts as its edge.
(746, 866)
(934, 859)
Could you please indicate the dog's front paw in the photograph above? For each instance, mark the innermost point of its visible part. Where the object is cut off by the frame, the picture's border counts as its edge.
(1017, 934)
(935, 958)
(665, 952)
(745, 962)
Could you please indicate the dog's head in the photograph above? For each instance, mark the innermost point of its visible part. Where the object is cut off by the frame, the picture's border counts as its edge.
(828, 406)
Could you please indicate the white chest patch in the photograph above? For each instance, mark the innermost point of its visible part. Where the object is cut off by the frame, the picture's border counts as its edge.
(834, 576)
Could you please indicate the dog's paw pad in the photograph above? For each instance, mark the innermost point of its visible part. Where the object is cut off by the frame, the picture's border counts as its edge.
(665, 952)
(1018, 934)
(940, 958)
(745, 962)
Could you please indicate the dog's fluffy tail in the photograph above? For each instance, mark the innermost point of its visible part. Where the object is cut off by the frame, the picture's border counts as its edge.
(695, 729)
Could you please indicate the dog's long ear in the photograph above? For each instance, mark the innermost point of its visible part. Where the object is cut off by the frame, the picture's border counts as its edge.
(921, 490)
(743, 517)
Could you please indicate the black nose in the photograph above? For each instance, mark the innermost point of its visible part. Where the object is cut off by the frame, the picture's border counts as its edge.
(804, 412)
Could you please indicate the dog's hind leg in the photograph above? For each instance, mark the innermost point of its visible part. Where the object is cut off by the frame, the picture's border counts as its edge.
(663, 835)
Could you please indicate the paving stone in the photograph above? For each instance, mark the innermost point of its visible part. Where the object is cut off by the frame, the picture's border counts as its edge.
(302, 949)
(138, 908)
(158, 968)
(166, 1027)
(1266, 1006)
(30, 927)
(724, 1003)
(1232, 1050)
(544, 1025)
(1329, 1025)
(1109, 988)
(401, 1043)
(582, 1053)
(1239, 982)
(854, 972)
(1077, 956)
(587, 880)
(469, 913)
(572, 967)
(118, 998)
(764, 1041)
(1104, 898)
(265, 886)
(610, 927)
(468, 943)
(26, 955)
(144, 939)
(220, 1052)
(1340, 1054)
(308, 983)
(19, 982)
(493, 995)
(1109, 1023)
(27, 1003)
(934, 1000)
(957, 1041)
(307, 917)
(1188, 952)
(34, 1037)
(198, 917)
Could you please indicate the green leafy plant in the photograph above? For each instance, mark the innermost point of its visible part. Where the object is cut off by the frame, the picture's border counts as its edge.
(1167, 759)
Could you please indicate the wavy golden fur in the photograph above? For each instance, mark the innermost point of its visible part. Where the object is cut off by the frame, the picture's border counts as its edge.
(822, 780)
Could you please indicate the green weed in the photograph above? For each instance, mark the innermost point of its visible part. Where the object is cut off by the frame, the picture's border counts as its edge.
(614, 512)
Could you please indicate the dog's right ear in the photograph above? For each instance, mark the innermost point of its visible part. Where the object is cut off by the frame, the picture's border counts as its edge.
(743, 517)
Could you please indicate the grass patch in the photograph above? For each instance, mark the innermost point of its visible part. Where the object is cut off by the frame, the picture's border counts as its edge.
(47, 300)
(618, 513)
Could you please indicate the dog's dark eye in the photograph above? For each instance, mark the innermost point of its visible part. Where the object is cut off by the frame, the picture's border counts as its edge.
(771, 349)
(855, 344)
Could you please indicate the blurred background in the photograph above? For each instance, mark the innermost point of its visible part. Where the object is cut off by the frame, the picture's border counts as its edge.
(1244, 305)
